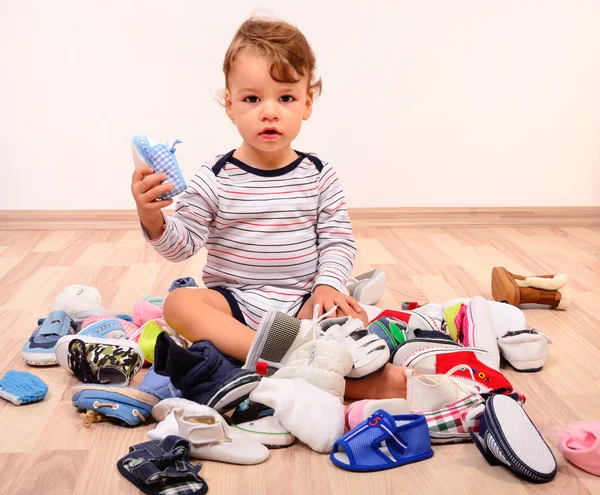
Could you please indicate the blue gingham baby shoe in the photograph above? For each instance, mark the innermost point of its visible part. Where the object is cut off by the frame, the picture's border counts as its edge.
(162, 159)
(20, 387)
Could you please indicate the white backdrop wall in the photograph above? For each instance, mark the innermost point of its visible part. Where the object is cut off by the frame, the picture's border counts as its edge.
(428, 103)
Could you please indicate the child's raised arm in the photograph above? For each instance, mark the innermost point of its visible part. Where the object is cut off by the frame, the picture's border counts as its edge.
(181, 235)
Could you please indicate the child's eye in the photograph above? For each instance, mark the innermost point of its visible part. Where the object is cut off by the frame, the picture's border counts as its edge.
(251, 99)
(287, 98)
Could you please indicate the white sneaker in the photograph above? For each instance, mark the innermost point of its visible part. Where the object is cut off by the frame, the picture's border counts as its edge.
(208, 433)
(478, 329)
(323, 363)
(369, 352)
(525, 350)
(506, 318)
(431, 392)
(368, 288)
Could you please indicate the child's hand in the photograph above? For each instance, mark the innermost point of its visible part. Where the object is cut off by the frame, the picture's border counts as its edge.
(327, 297)
(146, 188)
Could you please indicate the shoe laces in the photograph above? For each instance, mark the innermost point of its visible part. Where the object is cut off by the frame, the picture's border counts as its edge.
(448, 378)
(316, 319)
(79, 364)
(172, 148)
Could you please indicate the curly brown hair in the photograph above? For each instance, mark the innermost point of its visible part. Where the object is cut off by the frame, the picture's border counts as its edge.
(282, 44)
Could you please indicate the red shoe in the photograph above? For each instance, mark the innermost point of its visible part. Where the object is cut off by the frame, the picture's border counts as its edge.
(438, 360)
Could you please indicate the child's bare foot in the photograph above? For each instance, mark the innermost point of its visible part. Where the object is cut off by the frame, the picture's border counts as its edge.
(387, 383)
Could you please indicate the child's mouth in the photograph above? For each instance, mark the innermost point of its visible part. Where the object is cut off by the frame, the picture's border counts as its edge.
(269, 134)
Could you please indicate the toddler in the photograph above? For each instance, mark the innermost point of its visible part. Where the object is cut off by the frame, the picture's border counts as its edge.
(273, 219)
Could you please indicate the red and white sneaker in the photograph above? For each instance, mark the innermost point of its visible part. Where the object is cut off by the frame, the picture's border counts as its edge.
(468, 363)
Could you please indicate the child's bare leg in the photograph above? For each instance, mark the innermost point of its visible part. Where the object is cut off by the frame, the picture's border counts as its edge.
(204, 314)
(388, 383)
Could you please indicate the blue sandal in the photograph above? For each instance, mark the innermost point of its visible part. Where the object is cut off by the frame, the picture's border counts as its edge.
(383, 441)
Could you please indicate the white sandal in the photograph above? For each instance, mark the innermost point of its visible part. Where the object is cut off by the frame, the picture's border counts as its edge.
(207, 431)
(369, 352)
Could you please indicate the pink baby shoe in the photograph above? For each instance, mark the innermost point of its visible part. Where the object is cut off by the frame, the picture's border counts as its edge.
(360, 410)
(580, 444)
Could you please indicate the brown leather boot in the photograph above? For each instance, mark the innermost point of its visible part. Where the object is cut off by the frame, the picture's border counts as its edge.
(551, 290)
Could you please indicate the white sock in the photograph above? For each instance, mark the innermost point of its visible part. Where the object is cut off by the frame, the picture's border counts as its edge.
(307, 412)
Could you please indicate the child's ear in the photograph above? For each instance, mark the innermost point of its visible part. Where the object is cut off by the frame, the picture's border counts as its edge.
(308, 105)
(228, 105)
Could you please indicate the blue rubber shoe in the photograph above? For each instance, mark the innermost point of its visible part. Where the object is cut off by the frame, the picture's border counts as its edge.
(383, 441)
(161, 158)
(40, 349)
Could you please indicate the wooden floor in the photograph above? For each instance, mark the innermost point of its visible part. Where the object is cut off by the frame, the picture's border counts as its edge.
(44, 448)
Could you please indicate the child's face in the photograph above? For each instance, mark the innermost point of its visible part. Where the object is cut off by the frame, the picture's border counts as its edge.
(267, 113)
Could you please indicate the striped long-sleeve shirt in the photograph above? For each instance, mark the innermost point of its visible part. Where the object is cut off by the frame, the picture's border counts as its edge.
(271, 235)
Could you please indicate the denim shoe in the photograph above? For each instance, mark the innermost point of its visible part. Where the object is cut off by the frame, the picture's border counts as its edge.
(40, 349)
(163, 467)
(181, 283)
(161, 158)
(203, 374)
(109, 328)
(157, 385)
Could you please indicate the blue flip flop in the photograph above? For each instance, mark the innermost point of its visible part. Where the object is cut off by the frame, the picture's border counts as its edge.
(383, 441)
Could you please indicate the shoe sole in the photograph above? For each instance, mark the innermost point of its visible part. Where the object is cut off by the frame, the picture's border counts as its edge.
(371, 290)
(372, 367)
(481, 328)
(414, 359)
(271, 440)
(410, 347)
(126, 391)
(504, 287)
(233, 393)
(518, 440)
(139, 160)
(39, 358)
(138, 157)
(62, 346)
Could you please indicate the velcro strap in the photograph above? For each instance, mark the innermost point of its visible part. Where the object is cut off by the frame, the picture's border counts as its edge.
(55, 324)
(203, 433)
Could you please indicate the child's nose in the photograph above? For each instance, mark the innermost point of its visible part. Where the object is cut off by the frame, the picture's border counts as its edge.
(269, 110)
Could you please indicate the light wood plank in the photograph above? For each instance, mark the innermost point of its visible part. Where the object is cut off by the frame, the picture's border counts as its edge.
(421, 264)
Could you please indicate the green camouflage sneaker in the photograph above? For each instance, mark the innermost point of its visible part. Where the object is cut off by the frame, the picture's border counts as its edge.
(98, 360)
